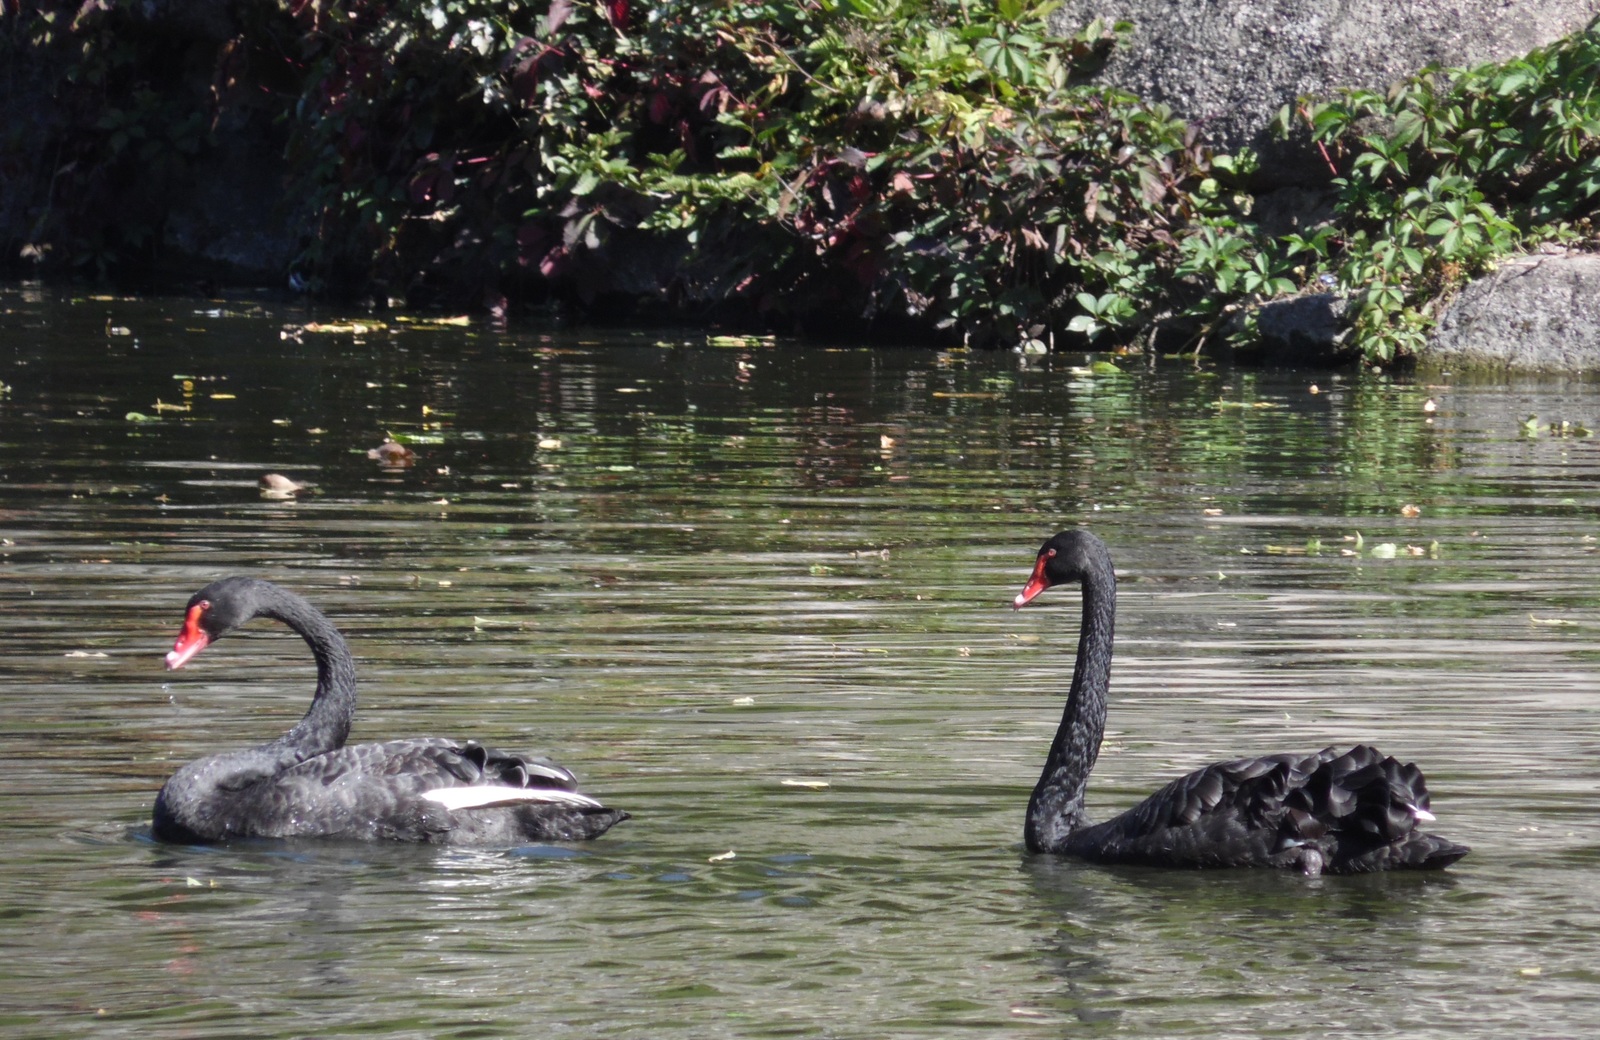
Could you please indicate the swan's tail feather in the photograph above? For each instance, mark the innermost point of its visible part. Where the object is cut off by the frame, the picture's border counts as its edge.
(1371, 805)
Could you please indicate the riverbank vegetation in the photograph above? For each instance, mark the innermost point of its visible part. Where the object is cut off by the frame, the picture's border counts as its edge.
(888, 167)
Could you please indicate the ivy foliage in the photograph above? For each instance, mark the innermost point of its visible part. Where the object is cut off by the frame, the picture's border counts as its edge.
(938, 166)
(1448, 172)
(920, 161)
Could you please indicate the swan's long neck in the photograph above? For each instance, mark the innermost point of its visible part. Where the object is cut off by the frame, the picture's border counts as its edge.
(326, 723)
(1056, 808)
(200, 802)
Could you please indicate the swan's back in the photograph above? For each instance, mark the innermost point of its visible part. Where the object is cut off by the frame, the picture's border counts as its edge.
(426, 789)
(1337, 812)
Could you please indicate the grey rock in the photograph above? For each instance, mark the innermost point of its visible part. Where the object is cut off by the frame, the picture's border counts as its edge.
(1230, 65)
(1302, 330)
(1535, 313)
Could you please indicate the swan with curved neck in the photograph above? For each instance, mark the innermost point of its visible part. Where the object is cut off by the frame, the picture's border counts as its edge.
(1340, 812)
(308, 783)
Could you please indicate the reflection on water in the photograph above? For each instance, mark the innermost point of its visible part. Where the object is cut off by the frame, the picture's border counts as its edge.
(757, 597)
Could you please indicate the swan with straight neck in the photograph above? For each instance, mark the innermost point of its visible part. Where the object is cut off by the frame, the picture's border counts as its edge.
(1332, 811)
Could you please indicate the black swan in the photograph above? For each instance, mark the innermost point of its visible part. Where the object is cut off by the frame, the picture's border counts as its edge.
(307, 783)
(1339, 812)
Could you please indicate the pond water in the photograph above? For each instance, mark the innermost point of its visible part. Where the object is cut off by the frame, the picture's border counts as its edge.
(758, 596)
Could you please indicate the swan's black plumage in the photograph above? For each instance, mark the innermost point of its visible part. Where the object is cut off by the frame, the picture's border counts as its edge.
(1337, 812)
(307, 783)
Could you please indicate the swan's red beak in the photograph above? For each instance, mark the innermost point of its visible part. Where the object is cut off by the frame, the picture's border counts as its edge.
(1037, 583)
(191, 640)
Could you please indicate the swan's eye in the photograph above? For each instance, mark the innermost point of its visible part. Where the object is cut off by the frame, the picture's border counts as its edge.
(1049, 554)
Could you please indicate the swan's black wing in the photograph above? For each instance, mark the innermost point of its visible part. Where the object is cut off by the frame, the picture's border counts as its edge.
(1340, 812)
(426, 789)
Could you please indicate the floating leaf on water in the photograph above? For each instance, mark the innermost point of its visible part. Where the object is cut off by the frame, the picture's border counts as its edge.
(141, 417)
(1410, 510)
(1384, 551)
(1360, 541)
(722, 857)
(549, 443)
(1530, 972)
(1530, 426)
(392, 453)
(161, 406)
(457, 321)
(358, 328)
(1105, 368)
(1552, 622)
(741, 341)
(820, 569)
(1430, 406)
(744, 702)
(1211, 512)
(1313, 545)
(276, 485)
(83, 653)
(815, 785)
(481, 623)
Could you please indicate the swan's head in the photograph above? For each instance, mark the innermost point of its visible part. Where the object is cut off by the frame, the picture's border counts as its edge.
(1071, 556)
(213, 612)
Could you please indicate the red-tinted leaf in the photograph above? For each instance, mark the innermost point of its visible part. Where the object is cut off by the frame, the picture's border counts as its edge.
(554, 262)
(560, 11)
(525, 80)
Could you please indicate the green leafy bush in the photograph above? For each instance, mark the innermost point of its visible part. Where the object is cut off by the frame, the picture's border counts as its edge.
(1449, 171)
(912, 160)
(935, 166)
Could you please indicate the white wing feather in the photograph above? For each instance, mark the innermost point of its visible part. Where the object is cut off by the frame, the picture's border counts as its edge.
(488, 796)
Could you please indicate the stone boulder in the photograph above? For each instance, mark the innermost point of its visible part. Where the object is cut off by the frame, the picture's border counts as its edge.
(1301, 330)
(1534, 313)
(1230, 65)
